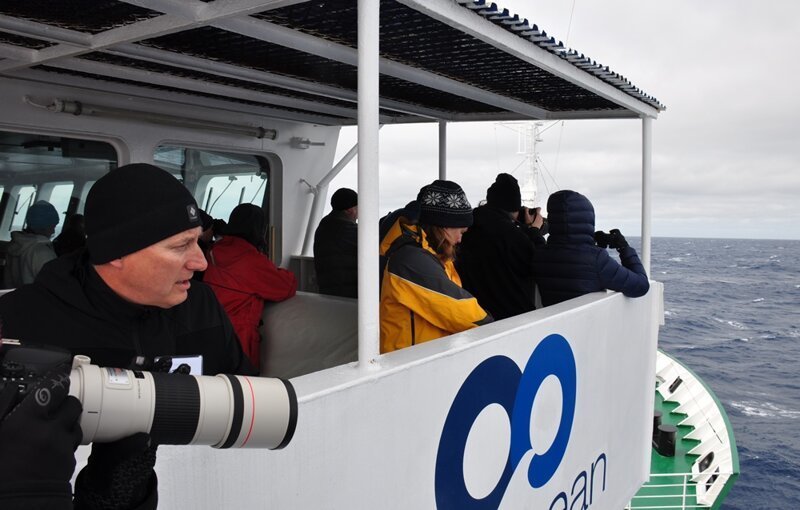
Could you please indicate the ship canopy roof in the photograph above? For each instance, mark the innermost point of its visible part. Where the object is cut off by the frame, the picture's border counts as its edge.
(440, 60)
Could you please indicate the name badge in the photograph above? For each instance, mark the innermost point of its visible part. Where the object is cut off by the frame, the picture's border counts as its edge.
(195, 363)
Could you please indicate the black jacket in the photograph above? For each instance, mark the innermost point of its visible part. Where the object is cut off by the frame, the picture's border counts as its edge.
(571, 264)
(69, 306)
(336, 255)
(495, 262)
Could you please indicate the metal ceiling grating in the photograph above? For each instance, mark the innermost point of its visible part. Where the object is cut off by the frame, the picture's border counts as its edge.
(24, 42)
(410, 37)
(153, 67)
(88, 16)
(333, 120)
(433, 66)
(523, 28)
(220, 45)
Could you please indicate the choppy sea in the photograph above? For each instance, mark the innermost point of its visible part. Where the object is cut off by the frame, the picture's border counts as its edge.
(733, 316)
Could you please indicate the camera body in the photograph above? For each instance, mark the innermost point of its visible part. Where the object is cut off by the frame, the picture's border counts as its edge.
(223, 411)
(25, 367)
(602, 239)
(614, 239)
(544, 229)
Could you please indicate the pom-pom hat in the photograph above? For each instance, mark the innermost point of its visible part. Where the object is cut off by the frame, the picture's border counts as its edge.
(444, 204)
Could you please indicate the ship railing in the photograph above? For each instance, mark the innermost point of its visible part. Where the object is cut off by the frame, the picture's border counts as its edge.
(668, 491)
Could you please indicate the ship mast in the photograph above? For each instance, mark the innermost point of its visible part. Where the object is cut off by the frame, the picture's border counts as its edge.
(529, 136)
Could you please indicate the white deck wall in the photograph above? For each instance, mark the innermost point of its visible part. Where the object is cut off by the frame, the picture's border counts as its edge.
(367, 441)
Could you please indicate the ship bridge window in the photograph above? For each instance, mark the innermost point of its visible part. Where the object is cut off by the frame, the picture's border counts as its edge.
(44, 167)
(59, 194)
(24, 197)
(219, 180)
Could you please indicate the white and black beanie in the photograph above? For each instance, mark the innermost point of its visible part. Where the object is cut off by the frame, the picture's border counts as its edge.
(444, 204)
(133, 207)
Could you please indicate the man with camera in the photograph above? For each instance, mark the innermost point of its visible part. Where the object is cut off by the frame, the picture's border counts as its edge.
(575, 260)
(129, 296)
(495, 260)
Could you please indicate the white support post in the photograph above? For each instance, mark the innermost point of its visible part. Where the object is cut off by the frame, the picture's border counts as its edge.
(317, 206)
(368, 90)
(647, 189)
(320, 192)
(442, 150)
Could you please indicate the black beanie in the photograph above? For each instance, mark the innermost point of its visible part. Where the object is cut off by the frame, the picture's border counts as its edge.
(206, 220)
(504, 193)
(248, 222)
(344, 198)
(133, 207)
(444, 204)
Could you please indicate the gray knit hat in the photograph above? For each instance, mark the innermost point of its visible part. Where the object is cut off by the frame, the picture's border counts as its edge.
(133, 207)
(444, 204)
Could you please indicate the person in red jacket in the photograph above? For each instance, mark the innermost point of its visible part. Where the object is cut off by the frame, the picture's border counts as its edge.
(243, 277)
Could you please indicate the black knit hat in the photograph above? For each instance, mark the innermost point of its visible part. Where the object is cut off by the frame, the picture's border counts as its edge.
(133, 207)
(444, 204)
(206, 220)
(504, 193)
(344, 198)
(248, 222)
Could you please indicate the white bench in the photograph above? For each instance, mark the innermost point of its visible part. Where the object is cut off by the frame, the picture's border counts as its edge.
(308, 333)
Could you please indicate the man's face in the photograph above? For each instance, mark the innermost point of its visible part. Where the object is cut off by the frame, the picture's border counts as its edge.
(160, 274)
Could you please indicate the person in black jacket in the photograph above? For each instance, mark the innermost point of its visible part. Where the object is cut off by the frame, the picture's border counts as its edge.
(336, 246)
(127, 296)
(495, 261)
(72, 236)
(572, 264)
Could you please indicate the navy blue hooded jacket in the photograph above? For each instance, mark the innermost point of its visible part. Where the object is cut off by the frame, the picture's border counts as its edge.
(571, 264)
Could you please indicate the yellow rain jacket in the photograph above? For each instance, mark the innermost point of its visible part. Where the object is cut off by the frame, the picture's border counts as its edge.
(421, 296)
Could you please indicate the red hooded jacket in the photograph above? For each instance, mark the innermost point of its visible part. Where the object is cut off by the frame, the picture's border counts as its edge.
(243, 278)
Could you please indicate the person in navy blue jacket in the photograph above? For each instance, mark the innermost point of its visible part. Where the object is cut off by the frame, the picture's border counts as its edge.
(572, 264)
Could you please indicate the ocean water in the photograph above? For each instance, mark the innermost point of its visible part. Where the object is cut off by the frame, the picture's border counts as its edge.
(733, 316)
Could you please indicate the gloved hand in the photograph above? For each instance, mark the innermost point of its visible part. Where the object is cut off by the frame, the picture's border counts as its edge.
(119, 475)
(601, 238)
(38, 437)
(616, 239)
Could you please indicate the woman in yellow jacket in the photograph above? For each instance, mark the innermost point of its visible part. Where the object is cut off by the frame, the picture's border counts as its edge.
(421, 294)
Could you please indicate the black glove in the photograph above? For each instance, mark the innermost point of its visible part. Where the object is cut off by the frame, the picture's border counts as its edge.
(38, 437)
(118, 476)
(616, 239)
(601, 238)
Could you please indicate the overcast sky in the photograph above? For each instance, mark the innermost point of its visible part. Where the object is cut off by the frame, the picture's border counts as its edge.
(726, 150)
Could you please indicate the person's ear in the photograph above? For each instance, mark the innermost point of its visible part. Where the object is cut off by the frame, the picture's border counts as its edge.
(116, 263)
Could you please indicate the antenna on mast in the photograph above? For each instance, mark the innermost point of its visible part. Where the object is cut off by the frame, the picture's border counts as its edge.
(528, 138)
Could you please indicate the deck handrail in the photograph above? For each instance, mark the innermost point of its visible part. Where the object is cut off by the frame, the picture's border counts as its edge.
(673, 501)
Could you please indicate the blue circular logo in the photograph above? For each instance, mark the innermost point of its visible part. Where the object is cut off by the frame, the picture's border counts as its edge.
(498, 380)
